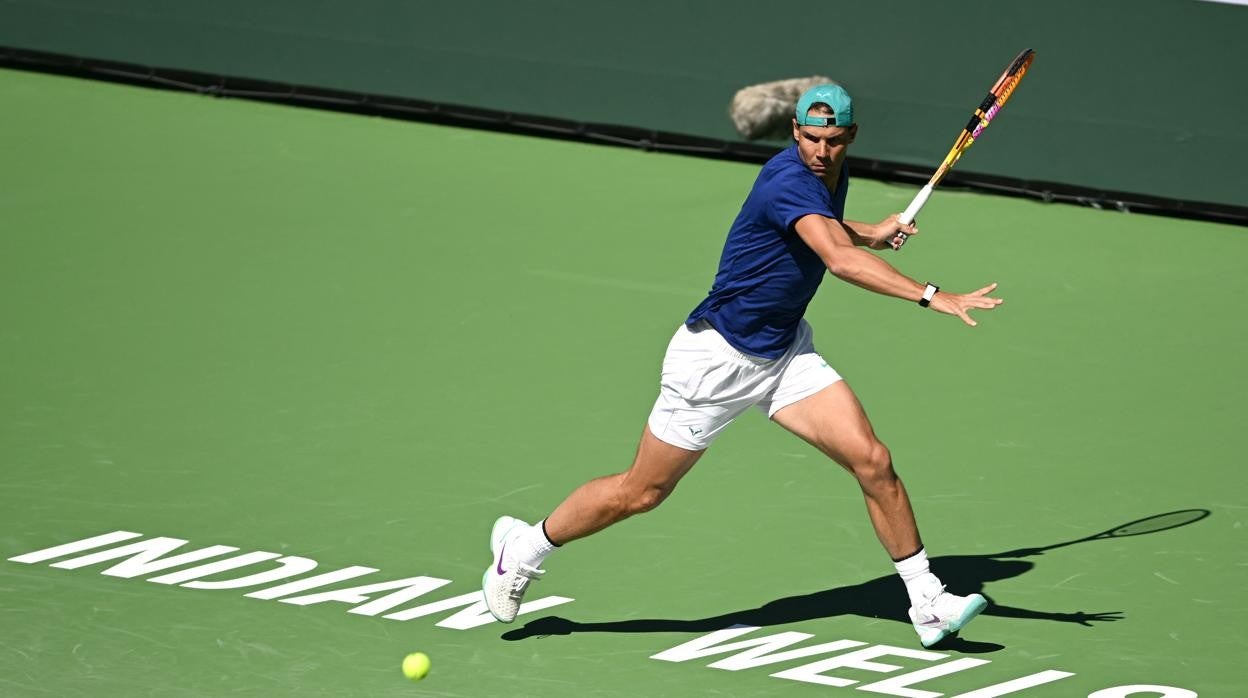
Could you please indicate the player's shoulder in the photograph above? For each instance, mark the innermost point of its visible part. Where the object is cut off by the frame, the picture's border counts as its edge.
(784, 161)
(790, 176)
(783, 165)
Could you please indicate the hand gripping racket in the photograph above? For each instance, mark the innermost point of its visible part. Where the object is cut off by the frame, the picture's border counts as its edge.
(984, 114)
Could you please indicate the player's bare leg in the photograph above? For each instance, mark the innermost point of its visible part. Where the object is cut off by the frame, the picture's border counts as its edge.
(597, 504)
(519, 548)
(834, 422)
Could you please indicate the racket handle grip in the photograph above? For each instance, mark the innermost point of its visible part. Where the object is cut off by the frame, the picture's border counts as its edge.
(912, 211)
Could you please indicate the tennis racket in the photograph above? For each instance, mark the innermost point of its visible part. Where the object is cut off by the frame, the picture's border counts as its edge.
(1139, 527)
(984, 114)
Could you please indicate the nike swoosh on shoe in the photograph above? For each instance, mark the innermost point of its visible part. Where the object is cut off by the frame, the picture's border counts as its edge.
(499, 568)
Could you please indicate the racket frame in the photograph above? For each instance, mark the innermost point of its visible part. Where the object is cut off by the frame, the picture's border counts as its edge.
(987, 110)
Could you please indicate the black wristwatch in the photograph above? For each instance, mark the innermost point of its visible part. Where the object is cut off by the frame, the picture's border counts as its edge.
(928, 294)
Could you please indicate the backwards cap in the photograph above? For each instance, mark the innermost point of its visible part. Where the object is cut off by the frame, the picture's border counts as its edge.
(832, 95)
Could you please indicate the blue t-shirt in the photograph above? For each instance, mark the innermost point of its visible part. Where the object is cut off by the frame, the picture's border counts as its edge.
(767, 275)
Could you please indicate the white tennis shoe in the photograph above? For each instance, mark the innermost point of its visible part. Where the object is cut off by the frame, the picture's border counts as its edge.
(506, 579)
(944, 614)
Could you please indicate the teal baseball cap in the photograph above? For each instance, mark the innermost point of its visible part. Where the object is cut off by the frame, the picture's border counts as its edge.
(832, 95)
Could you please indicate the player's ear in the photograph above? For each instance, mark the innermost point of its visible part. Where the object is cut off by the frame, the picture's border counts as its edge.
(853, 132)
(796, 130)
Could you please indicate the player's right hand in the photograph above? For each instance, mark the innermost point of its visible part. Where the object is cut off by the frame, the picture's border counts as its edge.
(884, 234)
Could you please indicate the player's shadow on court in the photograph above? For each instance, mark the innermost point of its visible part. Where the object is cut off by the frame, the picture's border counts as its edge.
(883, 597)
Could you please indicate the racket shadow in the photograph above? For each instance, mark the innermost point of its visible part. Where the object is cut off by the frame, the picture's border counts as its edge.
(882, 598)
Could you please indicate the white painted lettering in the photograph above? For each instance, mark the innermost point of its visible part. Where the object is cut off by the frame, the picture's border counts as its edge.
(751, 653)
(760, 657)
(899, 685)
(154, 555)
(398, 598)
(1153, 691)
(144, 557)
(213, 568)
(320, 580)
(291, 566)
(858, 659)
(473, 613)
(478, 613)
(436, 607)
(1001, 689)
(75, 547)
(411, 588)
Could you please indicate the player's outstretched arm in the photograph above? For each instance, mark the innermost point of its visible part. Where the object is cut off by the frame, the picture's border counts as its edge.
(834, 245)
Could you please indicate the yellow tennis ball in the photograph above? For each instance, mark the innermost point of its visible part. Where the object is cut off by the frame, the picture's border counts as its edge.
(416, 666)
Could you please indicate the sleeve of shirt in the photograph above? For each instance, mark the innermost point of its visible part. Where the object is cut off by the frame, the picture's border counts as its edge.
(793, 197)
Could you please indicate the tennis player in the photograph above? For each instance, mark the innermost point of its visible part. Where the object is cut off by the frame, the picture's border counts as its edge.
(747, 345)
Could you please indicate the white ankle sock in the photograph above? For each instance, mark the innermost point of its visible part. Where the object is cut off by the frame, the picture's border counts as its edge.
(921, 584)
(532, 546)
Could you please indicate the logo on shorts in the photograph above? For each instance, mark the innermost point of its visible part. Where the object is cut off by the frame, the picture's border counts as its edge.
(694, 431)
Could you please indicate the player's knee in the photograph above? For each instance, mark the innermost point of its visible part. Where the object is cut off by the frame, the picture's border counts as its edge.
(628, 498)
(874, 465)
(648, 499)
(643, 499)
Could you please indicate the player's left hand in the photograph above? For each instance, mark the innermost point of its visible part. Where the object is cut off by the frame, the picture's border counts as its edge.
(959, 303)
(884, 234)
(1087, 619)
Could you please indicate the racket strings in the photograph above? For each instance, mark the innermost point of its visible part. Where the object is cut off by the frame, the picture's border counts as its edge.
(1012, 78)
(991, 105)
(1009, 89)
(1161, 522)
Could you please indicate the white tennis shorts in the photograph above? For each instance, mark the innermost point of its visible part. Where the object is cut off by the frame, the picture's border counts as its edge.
(707, 383)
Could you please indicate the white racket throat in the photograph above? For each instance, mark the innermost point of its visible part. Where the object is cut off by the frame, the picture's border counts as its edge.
(912, 211)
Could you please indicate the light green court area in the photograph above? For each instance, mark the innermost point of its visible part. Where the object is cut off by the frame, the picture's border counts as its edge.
(358, 341)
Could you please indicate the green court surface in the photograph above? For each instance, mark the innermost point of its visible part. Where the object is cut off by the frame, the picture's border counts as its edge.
(357, 341)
